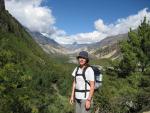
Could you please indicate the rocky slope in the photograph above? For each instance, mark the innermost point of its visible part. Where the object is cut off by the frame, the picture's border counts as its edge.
(109, 47)
(48, 45)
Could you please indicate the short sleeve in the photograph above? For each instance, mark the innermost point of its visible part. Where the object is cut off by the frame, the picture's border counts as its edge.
(89, 74)
(74, 72)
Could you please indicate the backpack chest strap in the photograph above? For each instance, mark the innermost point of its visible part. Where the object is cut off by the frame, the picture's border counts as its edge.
(79, 74)
(83, 91)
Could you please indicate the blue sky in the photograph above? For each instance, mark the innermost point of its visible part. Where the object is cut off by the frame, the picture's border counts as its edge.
(81, 21)
(75, 16)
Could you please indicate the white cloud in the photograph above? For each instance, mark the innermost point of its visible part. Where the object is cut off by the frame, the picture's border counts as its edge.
(39, 18)
(99, 25)
(31, 14)
(122, 25)
(89, 37)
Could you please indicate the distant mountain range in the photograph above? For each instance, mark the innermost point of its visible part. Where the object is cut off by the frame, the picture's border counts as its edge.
(106, 48)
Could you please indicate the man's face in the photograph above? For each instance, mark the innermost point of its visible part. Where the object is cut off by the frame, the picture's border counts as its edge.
(82, 61)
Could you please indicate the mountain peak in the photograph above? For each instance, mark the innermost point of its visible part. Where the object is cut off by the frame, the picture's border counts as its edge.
(2, 5)
(75, 43)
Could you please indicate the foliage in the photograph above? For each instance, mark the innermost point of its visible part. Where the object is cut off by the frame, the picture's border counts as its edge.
(126, 83)
(135, 50)
(31, 81)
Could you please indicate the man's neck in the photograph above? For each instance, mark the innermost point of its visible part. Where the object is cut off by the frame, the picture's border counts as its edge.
(82, 66)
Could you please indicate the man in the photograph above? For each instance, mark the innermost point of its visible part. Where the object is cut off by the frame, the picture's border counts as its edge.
(83, 84)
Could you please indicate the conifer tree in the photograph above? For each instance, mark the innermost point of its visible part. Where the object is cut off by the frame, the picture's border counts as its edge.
(136, 50)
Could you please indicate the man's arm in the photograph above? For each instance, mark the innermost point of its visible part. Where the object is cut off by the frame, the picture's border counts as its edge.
(88, 101)
(92, 85)
(72, 94)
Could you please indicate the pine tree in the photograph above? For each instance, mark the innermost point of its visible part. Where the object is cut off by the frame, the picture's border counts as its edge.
(136, 50)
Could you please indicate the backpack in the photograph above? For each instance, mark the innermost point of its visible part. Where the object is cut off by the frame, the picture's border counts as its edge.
(97, 78)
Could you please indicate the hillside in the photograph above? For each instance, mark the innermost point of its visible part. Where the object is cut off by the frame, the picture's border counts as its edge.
(109, 47)
(28, 76)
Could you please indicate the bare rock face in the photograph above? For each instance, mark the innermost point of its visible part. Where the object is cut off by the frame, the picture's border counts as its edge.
(2, 5)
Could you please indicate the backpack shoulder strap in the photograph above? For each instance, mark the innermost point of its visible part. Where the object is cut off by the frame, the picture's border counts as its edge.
(77, 70)
(83, 73)
(76, 73)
